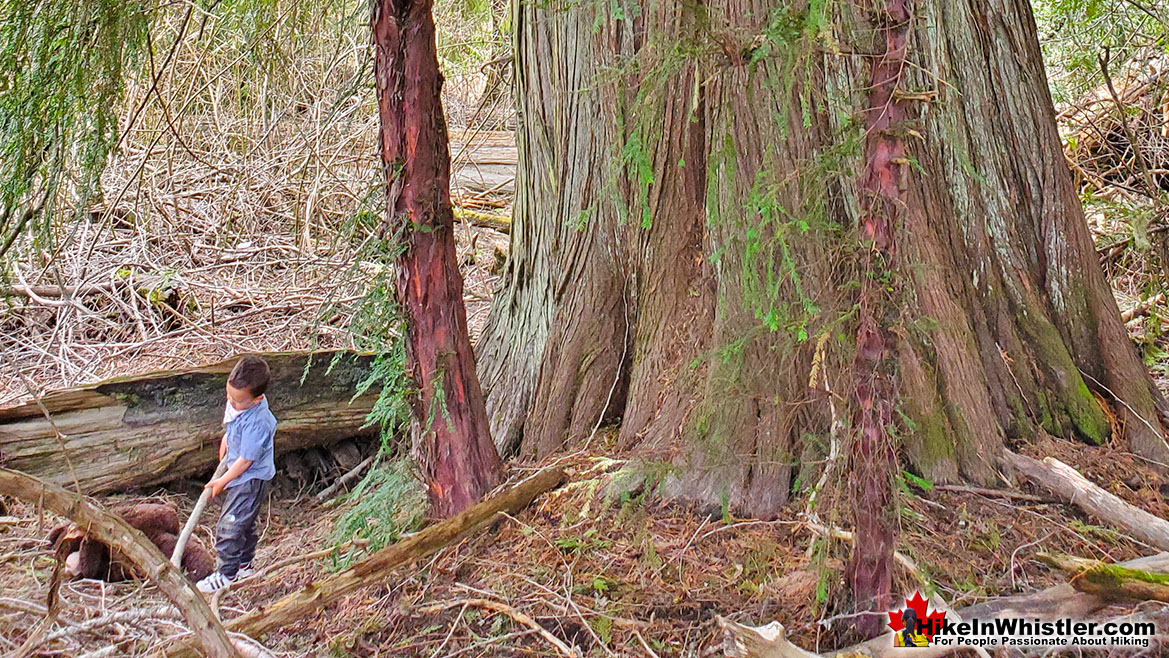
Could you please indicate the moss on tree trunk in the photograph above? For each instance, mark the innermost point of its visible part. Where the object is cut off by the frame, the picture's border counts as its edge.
(690, 177)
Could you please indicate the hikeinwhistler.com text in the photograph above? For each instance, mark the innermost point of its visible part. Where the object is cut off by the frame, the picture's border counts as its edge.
(1015, 632)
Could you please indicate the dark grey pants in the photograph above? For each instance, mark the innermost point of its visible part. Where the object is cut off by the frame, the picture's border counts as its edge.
(235, 534)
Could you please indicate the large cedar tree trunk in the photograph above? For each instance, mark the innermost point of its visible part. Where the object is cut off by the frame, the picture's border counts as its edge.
(452, 432)
(690, 253)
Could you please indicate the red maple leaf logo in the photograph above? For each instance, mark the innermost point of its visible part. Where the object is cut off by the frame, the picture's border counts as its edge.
(931, 621)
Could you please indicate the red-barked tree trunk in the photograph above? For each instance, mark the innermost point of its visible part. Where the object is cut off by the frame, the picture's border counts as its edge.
(451, 430)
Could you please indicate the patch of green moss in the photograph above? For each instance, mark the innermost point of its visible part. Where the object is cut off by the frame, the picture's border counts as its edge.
(1073, 402)
(1114, 575)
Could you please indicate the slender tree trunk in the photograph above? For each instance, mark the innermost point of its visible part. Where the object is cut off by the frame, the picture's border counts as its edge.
(451, 428)
(697, 185)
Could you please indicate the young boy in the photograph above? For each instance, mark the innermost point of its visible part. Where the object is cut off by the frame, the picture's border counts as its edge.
(247, 445)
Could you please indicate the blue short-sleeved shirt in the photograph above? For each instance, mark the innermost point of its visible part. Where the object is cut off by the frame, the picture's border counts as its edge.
(251, 436)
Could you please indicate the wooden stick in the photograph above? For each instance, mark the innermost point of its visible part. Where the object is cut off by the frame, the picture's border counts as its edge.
(120, 536)
(53, 291)
(328, 492)
(1142, 308)
(485, 220)
(376, 567)
(176, 557)
(1065, 482)
(995, 493)
(516, 615)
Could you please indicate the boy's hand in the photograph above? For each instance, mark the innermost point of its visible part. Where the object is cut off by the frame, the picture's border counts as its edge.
(216, 486)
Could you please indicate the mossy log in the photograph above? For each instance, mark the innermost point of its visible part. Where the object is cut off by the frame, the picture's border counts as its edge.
(141, 431)
(1111, 581)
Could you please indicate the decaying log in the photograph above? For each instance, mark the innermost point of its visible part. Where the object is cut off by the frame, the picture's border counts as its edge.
(145, 430)
(144, 555)
(1067, 483)
(1111, 581)
(485, 220)
(377, 567)
(1061, 601)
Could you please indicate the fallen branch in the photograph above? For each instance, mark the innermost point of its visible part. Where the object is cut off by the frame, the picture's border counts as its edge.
(516, 615)
(176, 557)
(995, 493)
(1142, 309)
(33, 292)
(328, 491)
(377, 567)
(137, 549)
(1065, 482)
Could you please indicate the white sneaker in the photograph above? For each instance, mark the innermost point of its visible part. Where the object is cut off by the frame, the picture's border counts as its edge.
(213, 583)
(245, 571)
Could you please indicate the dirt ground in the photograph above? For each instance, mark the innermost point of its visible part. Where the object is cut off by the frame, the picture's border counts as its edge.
(624, 576)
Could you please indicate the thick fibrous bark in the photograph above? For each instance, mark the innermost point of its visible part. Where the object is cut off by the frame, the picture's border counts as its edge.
(452, 433)
(886, 114)
(149, 429)
(692, 180)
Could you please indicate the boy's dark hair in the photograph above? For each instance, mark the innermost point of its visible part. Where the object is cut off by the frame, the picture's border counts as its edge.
(250, 374)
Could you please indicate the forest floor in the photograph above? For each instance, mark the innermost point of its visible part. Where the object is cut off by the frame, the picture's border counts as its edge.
(623, 576)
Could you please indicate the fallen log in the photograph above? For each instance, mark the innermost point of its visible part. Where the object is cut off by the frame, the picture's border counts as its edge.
(146, 430)
(377, 567)
(116, 533)
(1061, 601)
(1067, 483)
(1111, 581)
(485, 220)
